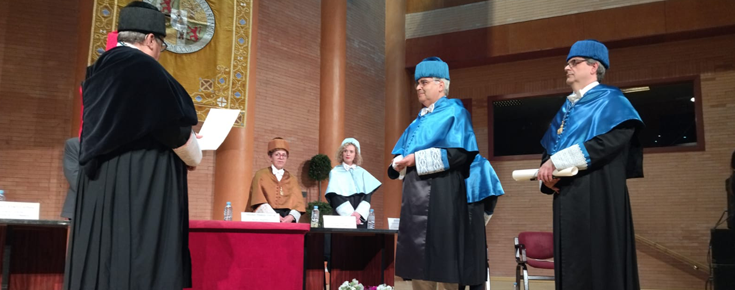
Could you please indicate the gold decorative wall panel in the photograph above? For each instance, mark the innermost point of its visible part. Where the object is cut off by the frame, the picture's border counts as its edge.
(208, 52)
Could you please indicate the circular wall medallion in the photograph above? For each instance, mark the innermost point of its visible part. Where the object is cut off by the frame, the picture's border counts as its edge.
(189, 24)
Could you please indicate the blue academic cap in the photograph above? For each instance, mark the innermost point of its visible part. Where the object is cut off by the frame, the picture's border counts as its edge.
(590, 48)
(432, 67)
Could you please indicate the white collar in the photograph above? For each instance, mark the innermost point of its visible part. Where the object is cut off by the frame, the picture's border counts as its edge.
(128, 44)
(348, 167)
(276, 171)
(576, 96)
(429, 109)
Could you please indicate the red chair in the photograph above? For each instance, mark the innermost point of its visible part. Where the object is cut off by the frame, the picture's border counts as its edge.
(535, 249)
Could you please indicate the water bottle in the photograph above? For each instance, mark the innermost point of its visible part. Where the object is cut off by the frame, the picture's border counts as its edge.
(2, 195)
(228, 211)
(371, 219)
(315, 217)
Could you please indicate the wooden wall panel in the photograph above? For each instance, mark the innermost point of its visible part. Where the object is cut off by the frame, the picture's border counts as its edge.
(618, 27)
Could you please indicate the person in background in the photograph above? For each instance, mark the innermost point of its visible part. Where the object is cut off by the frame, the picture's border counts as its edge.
(71, 172)
(274, 188)
(351, 186)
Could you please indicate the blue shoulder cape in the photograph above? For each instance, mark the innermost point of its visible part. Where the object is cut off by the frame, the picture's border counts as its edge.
(599, 111)
(483, 182)
(448, 126)
(347, 183)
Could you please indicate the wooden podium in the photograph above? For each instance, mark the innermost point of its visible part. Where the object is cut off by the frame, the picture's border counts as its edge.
(33, 253)
(362, 254)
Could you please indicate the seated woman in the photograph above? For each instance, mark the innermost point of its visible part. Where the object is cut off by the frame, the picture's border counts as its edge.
(274, 187)
(351, 186)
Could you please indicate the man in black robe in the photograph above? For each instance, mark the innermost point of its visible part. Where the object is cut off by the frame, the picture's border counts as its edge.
(130, 227)
(596, 130)
(441, 236)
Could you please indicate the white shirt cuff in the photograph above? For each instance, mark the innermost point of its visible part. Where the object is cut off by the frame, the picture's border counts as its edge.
(363, 209)
(345, 209)
(429, 161)
(190, 152)
(487, 218)
(570, 157)
(296, 215)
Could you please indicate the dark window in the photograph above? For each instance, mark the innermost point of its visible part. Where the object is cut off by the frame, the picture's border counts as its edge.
(669, 111)
(519, 124)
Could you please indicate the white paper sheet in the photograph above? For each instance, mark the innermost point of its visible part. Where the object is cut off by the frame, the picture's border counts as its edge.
(339, 222)
(19, 210)
(530, 174)
(393, 223)
(402, 172)
(216, 127)
(260, 217)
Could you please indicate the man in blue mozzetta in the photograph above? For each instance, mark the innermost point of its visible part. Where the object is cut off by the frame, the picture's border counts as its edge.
(483, 186)
(595, 130)
(438, 240)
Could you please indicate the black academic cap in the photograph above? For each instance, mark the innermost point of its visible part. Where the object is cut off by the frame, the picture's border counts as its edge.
(142, 17)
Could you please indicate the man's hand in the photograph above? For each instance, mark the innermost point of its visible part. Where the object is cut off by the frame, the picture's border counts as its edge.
(357, 217)
(287, 219)
(552, 185)
(545, 174)
(407, 161)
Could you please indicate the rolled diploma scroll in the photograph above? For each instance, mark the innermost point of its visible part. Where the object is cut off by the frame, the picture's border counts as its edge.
(402, 172)
(190, 152)
(531, 174)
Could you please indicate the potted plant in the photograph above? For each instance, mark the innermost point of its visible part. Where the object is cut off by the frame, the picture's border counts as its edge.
(319, 168)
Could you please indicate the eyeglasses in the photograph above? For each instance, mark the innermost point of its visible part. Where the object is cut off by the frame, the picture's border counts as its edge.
(424, 82)
(574, 62)
(164, 45)
(280, 155)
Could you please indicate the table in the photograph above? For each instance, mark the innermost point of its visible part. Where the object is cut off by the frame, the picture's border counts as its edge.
(362, 254)
(42, 246)
(246, 255)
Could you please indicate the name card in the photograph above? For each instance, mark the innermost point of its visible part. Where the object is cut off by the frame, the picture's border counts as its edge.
(393, 223)
(19, 210)
(260, 217)
(339, 222)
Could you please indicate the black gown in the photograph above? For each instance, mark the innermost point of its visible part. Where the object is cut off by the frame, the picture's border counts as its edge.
(130, 227)
(594, 240)
(335, 200)
(441, 237)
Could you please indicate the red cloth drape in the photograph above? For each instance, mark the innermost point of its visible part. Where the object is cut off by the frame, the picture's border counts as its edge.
(247, 255)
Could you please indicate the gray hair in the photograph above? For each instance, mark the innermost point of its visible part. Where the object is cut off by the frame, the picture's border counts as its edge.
(600, 68)
(132, 37)
(446, 85)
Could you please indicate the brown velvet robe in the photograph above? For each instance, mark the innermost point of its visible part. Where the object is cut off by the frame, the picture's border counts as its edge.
(285, 194)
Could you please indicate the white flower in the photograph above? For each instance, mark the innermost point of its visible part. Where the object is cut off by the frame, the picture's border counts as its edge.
(384, 287)
(352, 285)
